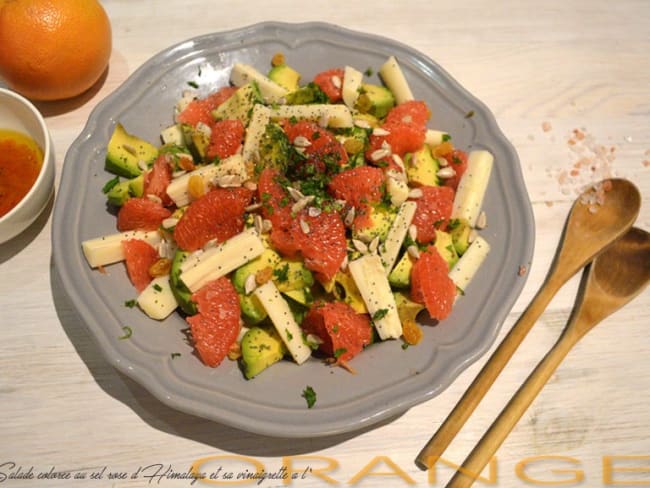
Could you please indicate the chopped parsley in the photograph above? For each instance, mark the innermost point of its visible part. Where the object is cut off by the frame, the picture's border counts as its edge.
(193, 84)
(131, 303)
(379, 314)
(128, 332)
(446, 137)
(309, 395)
(175, 355)
(157, 287)
(289, 334)
(282, 273)
(369, 72)
(110, 184)
(339, 352)
(469, 114)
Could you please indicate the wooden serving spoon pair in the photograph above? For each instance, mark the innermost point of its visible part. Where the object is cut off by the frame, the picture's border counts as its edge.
(598, 229)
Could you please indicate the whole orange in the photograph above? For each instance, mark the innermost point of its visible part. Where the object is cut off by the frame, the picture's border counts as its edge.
(53, 49)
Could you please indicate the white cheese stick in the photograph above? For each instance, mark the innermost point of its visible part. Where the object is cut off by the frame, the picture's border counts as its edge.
(397, 234)
(352, 79)
(244, 73)
(157, 300)
(395, 80)
(105, 250)
(434, 137)
(220, 260)
(338, 116)
(471, 188)
(178, 188)
(369, 275)
(280, 314)
(469, 263)
(256, 128)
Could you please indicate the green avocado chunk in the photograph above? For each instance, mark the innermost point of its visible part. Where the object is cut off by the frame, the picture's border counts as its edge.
(375, 100)
(285, 76)
(125, 151)
(260, 348)
(181, 292)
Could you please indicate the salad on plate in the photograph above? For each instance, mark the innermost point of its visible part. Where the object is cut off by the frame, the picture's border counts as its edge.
(288, 219)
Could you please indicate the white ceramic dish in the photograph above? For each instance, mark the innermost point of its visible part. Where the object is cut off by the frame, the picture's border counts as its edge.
(19, 114)
(389, 379)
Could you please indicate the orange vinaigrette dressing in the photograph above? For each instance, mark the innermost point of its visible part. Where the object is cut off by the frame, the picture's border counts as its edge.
(20, 163)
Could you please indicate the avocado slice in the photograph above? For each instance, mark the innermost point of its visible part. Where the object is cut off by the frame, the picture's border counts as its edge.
(445, 246)
(400, 276)
(381, 217)
(274, 148)
(125, 151)
(260, 348)
(240, 105)
(375, 100)
(422, 167)
(181, 292)
(460, 230)
(310, 93)
(284, 75)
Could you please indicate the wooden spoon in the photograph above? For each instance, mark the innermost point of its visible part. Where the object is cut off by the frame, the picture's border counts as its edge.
(592, 225)
(614, 278)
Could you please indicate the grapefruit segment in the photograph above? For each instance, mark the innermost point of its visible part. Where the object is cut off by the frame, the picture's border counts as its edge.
(431, 284)
(216, 325)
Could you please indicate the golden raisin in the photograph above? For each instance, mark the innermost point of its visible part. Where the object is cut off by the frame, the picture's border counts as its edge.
(353, 146)
(160, 268)
(411, 332)
(195, 187)
(278, 59)
(264, 275)
(234, 353)
(443, 148)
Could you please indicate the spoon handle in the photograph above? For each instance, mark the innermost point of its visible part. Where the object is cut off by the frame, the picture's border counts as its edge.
(488, 374)
(513, 411)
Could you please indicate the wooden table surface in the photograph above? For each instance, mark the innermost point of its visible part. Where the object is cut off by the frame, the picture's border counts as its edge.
(545, 69)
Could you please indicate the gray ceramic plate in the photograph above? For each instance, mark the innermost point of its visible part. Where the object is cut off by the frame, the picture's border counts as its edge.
(389, 379)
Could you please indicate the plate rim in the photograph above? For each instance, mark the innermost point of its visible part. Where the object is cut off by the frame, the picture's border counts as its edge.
(150, 381)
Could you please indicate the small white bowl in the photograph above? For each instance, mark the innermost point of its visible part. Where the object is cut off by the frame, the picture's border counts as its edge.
(19, 114)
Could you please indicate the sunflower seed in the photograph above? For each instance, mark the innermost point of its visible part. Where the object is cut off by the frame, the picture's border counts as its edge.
(301, 141)
(324, 120)
(154, 198)
(228, 181)
(442, 162)
(374, 244)
(413, 251)
(481, 222)
(302, 203)
(413, 232)
(143, 165)
(415, 193)
(446, 172)
(252, 207)
(295, 194)
(267, 225)
(344, 263)
(250, 284)
(250, 185)
(304, 226)
(378, 131)
(472, 236)
(360, 246)
(257, 222)
(130, 149)
(349, 217)
(170, 222)
(362, 124)
(314, 211)
(379, 154)
(336, 81)
(398, 161)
